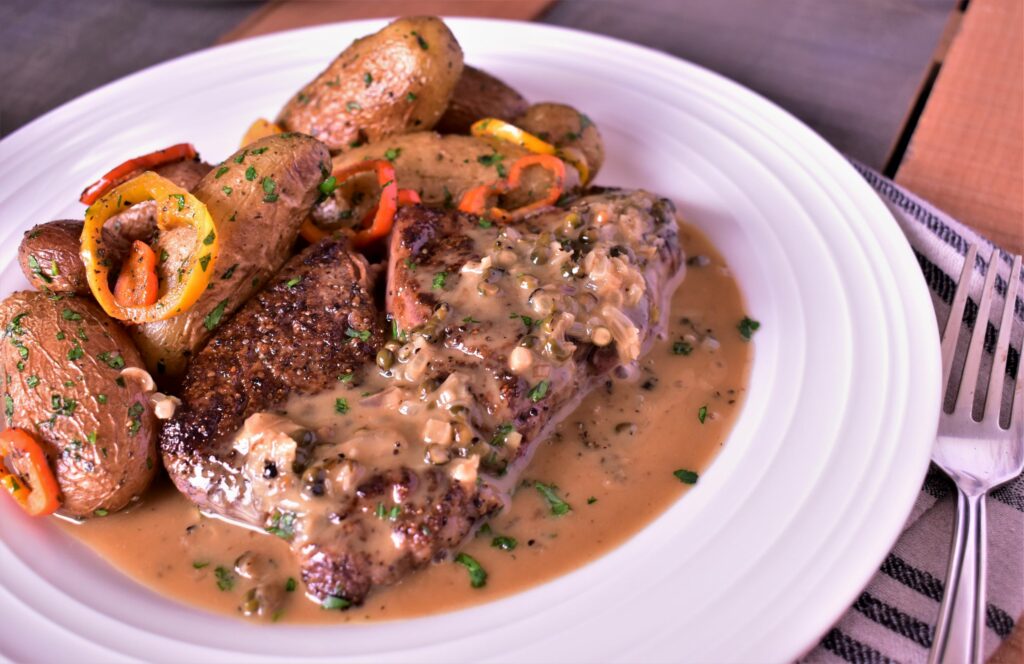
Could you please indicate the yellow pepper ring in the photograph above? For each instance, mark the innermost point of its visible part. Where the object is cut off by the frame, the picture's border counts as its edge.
(495, 128)
(175, 207)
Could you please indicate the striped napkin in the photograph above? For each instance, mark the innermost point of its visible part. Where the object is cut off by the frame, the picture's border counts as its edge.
(894, 619)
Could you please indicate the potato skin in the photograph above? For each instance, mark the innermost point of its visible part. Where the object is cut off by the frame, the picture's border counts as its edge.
(61, 384)
(397, 80)
(442, 168)
(55, 243)
(565, 127)
(255, 231)
(479, 95)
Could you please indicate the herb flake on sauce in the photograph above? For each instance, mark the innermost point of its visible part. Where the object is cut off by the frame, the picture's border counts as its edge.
(557, 505)
(686, 476)
(747, 327)
(477, 574)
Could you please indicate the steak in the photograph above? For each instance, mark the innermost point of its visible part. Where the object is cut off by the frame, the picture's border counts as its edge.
(497, 332)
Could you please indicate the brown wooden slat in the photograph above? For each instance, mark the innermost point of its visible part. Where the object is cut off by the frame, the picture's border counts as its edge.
(287, 14)
(967, 154)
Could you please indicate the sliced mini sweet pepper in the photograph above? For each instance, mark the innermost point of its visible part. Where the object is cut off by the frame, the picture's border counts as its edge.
(475, 200)
(378, 221)
(25, 473)
(178, 152)
(495, 128)
(175, 208)
(261, 128)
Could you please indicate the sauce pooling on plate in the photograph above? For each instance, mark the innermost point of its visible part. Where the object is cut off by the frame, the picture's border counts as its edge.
(619, 460)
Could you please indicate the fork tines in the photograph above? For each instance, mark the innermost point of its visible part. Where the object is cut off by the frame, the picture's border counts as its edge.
(966, 387)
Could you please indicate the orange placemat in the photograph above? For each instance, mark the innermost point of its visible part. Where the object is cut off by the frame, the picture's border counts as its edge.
(967, 153)
(287, 14)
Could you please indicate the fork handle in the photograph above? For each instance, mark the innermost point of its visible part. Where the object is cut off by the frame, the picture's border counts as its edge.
(959, 635)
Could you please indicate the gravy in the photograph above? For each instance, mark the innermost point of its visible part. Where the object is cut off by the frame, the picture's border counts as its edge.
(613, 462)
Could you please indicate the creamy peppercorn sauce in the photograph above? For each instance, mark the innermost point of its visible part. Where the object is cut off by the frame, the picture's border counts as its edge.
(624, 455)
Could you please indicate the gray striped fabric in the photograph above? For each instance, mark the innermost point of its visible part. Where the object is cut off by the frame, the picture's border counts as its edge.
(893, 619)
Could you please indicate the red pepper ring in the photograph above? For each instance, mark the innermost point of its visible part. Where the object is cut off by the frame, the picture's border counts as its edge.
(381, 217)
(474, 201)
(146, 162)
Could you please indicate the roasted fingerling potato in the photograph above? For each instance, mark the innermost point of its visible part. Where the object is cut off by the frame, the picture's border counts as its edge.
(74, 380)
(397, 80)
(479, 95)
(442, 168)
(258, 198)
(567, 129)
(48, 256)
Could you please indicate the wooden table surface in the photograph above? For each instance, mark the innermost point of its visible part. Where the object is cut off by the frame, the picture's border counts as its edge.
(930, 91)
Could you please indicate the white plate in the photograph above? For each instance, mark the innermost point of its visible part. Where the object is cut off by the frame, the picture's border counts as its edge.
(786, 526)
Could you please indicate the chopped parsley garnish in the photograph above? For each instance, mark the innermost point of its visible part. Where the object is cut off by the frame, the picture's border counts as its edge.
(702, 414)
(527, 321)
(439, 280)
(135, 416)
(37, 270)
(210, 237)
(392, 154)
(500, 436)
(362, 335)
(112, 360)
(32, 381)
(100, 512)
(75, 353)
(180, 198)
(493, 159)
(539, 391)
(424, 45)
(747, 327)
(410, 96)
(101, 399)
(241, 156)
(204, 261)
(269, 187)
(368, 79)
(469, 320)
(61, 406)
(225, 579)
(334, 603)
(212, 319)
(328, 186)
(290, 585)
(484, 222)
(228, 272)
(282, 524)
(477, 574)
(200, 564)
(8, 406)
(293, 282)
(341, 406)
(220, 171)
(682, 348)
(686, 476)
(227, 190)
(504, 543)
(70, 314)
(409, 265)
(591, 500)
(353, 106)
(250, 173)
(346, 377)
(557, 505)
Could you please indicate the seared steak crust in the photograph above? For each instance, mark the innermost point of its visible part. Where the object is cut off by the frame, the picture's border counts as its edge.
(292, 338)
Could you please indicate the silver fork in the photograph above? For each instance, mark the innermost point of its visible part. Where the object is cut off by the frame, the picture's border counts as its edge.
(978, 456)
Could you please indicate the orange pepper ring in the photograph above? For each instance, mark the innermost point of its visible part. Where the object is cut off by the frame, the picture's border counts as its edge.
(174, 205)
